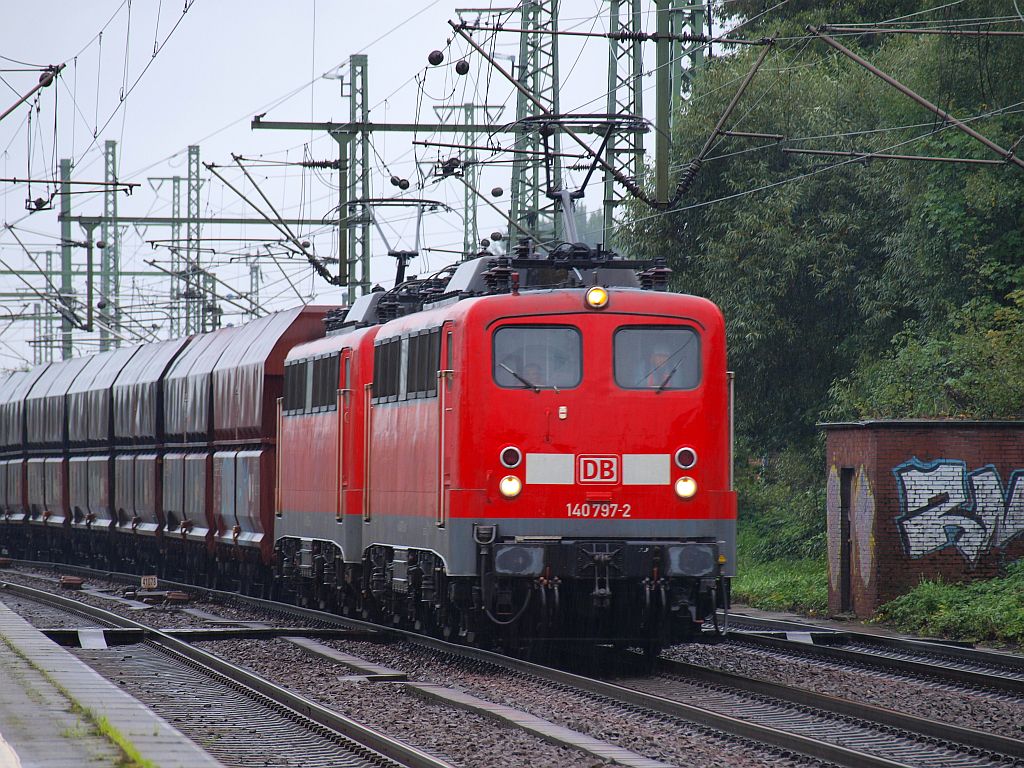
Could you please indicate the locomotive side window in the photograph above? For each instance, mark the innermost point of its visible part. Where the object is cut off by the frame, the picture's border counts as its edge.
(406, 369)
(318, 384)
(311, 385)
(529, 356)
(422, 364)
(387, 369)
(657, 357)
(325, 382)
(295, 387)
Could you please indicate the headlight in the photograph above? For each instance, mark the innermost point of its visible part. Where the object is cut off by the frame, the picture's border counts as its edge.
(691, 560)
(510, 486)
(597, 297)
(518, 560)
(686, 487)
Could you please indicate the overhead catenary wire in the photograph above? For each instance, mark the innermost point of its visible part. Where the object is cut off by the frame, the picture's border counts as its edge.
(385, 159)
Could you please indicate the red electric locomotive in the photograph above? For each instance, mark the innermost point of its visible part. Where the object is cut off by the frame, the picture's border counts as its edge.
(518, 447)
(514, 458)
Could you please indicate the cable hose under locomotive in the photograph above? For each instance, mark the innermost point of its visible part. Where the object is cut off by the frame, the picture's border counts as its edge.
(514, 619)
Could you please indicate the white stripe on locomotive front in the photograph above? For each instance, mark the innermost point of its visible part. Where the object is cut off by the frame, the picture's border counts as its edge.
(560, 469)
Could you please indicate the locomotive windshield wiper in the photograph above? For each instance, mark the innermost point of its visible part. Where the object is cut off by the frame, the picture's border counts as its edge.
(668, 378)
(675, 368)
(521, 378)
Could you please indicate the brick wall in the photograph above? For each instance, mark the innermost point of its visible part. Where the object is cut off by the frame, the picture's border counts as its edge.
(924, 499)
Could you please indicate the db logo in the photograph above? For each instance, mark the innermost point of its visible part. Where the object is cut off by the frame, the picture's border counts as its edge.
(597, 469)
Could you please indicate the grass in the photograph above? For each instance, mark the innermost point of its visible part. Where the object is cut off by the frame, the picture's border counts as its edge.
(991, 610)
(782, 585)
(130, 756)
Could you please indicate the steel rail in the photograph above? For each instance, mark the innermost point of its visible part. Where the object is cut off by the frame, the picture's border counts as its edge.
(260, 688)
(926, 668)
(842, 756)
(845, 708)
(953, 649)
(763, 734)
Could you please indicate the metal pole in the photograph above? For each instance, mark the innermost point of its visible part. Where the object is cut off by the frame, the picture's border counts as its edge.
(110, 280)
(663, 101)
(37, 335)
(344, 147)
(470, 229)
(608, 216)
(359, 175)
(176, 313)
(66, 343)
(89, 275)
(959, 124)
(624, 150)
(194, 298)
(48, 322)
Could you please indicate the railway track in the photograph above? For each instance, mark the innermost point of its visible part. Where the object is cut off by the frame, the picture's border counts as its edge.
(179, 680)
(901, 737)
(950, 663)
(834, 730)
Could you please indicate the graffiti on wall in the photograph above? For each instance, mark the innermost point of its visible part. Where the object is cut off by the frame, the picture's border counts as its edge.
(943, 505)
(862, 525)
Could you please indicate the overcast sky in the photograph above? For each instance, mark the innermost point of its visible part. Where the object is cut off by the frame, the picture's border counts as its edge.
(217, 66)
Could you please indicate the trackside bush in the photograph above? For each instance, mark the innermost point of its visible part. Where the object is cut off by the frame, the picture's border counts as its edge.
(991, 610)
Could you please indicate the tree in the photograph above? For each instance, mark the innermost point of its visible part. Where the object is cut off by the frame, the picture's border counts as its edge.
(819, 264)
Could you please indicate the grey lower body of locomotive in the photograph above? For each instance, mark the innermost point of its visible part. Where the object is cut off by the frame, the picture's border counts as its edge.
(456, 543)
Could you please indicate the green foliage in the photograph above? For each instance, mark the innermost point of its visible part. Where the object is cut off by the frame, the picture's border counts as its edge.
(984, 610)
(976, 369)
(781, 546)
(821, 266)
(783, 585)
(781, 503)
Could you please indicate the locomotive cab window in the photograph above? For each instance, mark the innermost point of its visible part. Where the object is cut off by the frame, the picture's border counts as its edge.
(534, 356)
(658, 358)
